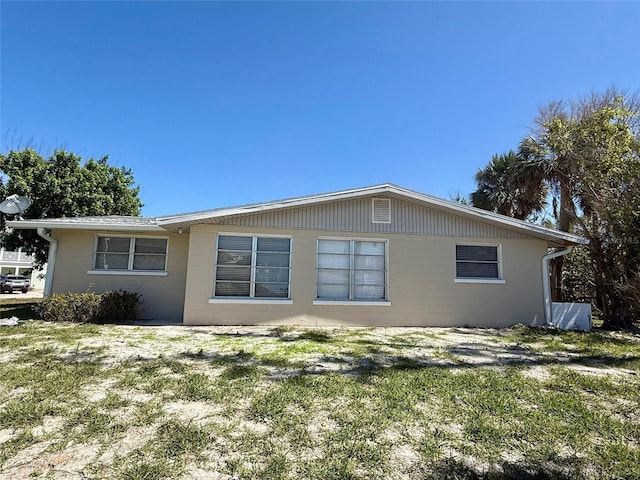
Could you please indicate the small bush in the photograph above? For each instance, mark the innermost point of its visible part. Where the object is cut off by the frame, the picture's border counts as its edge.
(69, 307)
(118, 306)
(109, 307)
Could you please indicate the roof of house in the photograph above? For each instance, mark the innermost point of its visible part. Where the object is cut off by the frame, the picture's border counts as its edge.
(184, 221)
(117, 222)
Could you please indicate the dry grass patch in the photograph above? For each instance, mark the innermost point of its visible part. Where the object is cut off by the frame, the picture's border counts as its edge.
(210, 402)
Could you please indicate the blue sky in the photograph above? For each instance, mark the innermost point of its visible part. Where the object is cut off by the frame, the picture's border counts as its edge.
(217, 104)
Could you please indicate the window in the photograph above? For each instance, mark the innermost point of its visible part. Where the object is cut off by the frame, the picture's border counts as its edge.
(131, 254)
(252, 267)
(351, 270)
(478, 262)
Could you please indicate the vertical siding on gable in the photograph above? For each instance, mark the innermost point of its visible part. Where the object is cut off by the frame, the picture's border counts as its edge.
(355, 216)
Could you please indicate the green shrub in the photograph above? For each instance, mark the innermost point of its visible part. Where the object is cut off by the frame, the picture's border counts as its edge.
(88, 307)
(118, 306)
(69, 307)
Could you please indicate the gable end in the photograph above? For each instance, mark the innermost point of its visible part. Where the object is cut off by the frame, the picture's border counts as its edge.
(355, 215)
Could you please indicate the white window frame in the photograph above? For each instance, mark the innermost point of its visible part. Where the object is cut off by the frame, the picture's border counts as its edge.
(252, 299)
(354, 302)
(498, 281)
(131, 253)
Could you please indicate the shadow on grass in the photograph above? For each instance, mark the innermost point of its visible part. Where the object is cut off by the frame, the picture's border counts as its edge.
(532, 333)
(488, 356)
(563, 469)
(358, 356)
(362, 356)
(23, 311)
(315, 336)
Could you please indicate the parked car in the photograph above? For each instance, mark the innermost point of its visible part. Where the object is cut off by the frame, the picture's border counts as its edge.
(9, 283)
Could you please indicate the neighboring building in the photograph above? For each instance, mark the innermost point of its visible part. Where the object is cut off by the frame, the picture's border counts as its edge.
(20, 263)
(380, 255)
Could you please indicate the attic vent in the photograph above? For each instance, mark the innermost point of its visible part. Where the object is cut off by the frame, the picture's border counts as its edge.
(381, 208)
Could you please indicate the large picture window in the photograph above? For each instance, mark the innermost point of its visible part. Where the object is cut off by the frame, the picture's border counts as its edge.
(252, 267)
(480, 262)
(351, 270)
(131, 254)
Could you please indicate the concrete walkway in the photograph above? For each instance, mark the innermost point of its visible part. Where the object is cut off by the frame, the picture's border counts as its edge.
(158, 323)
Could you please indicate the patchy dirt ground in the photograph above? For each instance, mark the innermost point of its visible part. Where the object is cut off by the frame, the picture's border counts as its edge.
(433, 346)
(280, 402)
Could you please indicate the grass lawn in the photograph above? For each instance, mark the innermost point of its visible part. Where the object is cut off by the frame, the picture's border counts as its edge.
(87, 401)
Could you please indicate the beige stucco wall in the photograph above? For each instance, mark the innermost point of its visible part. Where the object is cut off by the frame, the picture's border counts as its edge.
(421, 283)
(162, 296)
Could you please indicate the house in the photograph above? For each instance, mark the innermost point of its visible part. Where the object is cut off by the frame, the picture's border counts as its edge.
(380, 255)
(21, 263)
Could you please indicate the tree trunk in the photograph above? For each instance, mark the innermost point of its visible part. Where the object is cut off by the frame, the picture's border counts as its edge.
(616, 305)
(556, 279)
(564, 224)
(566, 208)
(618, 316)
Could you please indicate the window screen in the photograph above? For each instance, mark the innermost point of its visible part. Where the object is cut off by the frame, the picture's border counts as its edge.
(131, 253)
(477, 261)
(254, 267)
(351, 270)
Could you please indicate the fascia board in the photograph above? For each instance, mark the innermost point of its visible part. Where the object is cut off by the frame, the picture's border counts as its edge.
(27, 225)
(295, 202)
(496, 219)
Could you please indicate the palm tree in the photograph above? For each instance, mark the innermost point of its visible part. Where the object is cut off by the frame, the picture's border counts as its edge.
(556, 170)
(552, 157)
(506, 187)
(555, 166)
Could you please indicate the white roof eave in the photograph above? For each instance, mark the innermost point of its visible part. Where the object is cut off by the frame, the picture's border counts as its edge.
(260, 207)
(31, 225)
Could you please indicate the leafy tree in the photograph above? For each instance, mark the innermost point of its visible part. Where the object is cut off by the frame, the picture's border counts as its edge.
(3, 195)
(607, 192)
(576, 146)
(457, 197)
(577, 279)
(62, 186)
(503, 189)
(587, 153)
(555, 167)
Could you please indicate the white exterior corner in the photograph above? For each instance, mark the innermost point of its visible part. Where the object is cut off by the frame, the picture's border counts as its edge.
(51, 260)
